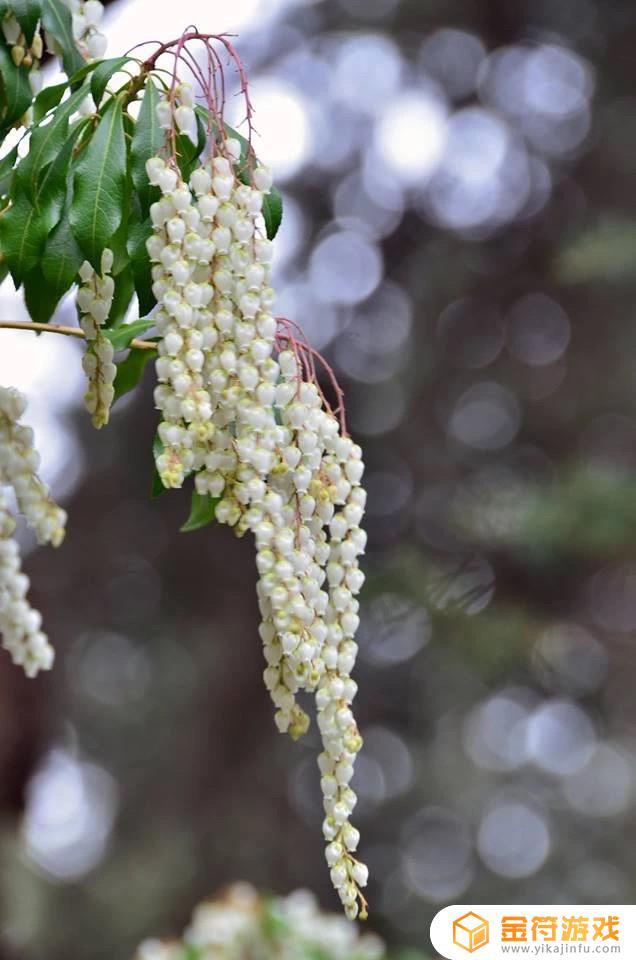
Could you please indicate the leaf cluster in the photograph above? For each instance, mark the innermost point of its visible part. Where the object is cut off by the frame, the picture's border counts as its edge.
(75, 184)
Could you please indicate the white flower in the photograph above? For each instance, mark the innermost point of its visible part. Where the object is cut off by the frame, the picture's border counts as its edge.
(185, 119)
(93, 12)
(94, 300)
(96, 44)
(20, 625)
(11, 28)
(86, 15)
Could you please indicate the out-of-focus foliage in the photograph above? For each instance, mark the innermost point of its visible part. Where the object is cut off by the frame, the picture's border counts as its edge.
(589, 512)
(605, 252)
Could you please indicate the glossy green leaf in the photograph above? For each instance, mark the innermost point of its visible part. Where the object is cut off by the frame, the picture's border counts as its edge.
(147, 140)
(138, 233)
(61, 260)
(202, 511)
(23, 233)
(122, 298)
(56, 20)
(102, 74)
(39, 296)
(100, 189)
(83, 71)
(272, 212)
(47, 140)
(27, 13)
(121, 336)
(15, 90)
(188, 153)
(6, 170)
(50, 193)
(130, 370)
(48, 98)
(118, 243)
(157, 487)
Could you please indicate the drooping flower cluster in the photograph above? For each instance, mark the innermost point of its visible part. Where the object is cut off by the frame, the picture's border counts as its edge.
(242, 410)
(19, 461)
(23, 53)
(244, 926)
(94, 300)
(87, 16)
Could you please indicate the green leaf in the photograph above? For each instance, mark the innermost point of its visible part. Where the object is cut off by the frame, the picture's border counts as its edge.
(27, 13)
(118, 243)
(202, 511)
(61, 260)
(6, 171)
(51, 190)
(15, 91)
(138, 233)
(147, 140)
(23, 232)
(47, 140)
(39, 297)
(130, 370)
(83, 72)
(122, 298)
(56, 20)
(100, 185)
(157, 487)
(47, 98)
(188, 153)
(121, 336)
(272, 212)
(102, 74)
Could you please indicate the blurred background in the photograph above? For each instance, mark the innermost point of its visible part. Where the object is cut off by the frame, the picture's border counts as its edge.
(459, 239)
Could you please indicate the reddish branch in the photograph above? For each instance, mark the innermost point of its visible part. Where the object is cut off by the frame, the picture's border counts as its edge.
(290, 336)
(210, 78)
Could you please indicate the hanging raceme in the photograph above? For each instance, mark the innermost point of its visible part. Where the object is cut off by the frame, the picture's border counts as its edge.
(19, 623)
(134, 190)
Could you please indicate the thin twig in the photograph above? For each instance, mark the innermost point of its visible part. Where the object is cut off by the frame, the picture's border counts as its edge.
(66, 331)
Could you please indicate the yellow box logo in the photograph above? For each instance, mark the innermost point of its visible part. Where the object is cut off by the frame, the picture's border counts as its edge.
(471, 932)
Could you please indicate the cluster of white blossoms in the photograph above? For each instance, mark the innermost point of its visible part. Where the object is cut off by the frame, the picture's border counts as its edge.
(241, 410)
(94, 300)
(23, 54)
(87, 15)
(180, 113)
(244, 926)
(19, 623)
